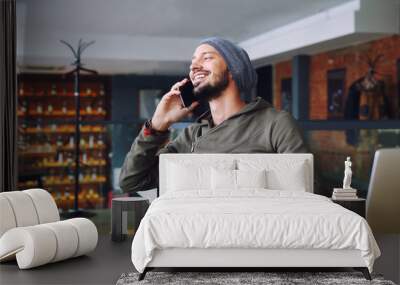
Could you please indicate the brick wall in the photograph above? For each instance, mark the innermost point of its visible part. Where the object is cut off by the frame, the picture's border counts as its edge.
(329, 147)
(353, 59)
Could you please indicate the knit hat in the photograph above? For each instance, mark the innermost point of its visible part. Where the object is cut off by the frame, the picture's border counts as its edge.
(238, 62)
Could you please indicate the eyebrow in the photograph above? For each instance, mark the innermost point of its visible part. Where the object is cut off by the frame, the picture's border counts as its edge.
(205, 52)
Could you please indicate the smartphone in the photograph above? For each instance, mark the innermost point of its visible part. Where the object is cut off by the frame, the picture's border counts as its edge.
(187, 95)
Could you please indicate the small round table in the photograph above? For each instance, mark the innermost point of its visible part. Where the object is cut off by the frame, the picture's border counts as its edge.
(119, 215)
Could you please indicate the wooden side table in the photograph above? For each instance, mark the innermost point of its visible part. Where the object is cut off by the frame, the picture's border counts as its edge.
(119, 215)
(355, 205)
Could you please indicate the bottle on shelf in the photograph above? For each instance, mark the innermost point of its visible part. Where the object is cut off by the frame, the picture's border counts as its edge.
(59, 142)
(53, 90)
(49, 109)
(24, 107)
(88, 91)
(84, 158)
(60, 159)
(71, 142)
(100, 110)
(39, 108)
(100, 141)
(94, 174)
(69, 159)
(53, 128)
(91, 141)
(64, 109)
(64, 92)
(87, 177)
(70, 200)
(88, 109)
(21, 90)
(63, 200)
(102, 92)
(82, 203)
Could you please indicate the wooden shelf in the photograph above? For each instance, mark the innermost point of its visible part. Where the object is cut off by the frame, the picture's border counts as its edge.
(54, 152)
(55, 164)
(60, 114)
(83, 148)
(69, 95)
(36, 169)
(72, 184)
(54, 125)
(64, 130)
(47, 153)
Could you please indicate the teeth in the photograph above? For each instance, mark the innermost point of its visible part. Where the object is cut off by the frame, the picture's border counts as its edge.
(200, 76)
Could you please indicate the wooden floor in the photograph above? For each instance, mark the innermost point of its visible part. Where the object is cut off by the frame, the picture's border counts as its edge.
(103, 266)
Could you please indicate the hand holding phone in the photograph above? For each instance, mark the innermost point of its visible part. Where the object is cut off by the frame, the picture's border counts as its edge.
(170, 109)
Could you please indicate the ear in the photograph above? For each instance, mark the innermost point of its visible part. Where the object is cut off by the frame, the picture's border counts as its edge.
(230, 75)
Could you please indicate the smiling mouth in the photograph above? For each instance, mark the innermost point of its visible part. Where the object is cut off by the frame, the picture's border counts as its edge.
(198, 78)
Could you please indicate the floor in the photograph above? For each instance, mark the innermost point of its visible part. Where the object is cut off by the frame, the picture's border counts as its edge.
(110, 259)
(103, 266)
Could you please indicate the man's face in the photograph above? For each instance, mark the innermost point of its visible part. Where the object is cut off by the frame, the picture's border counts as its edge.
(208, 72)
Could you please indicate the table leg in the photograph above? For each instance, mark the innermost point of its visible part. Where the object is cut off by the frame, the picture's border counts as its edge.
(116, 222)
(140, 211)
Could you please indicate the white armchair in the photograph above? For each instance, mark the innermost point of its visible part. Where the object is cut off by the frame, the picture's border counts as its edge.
(31, 230)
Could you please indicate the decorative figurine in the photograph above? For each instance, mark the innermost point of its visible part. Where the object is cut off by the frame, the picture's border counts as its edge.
(347, 192)
(347, 174)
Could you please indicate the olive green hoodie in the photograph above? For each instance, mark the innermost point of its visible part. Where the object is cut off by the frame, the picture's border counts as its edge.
(256, 128)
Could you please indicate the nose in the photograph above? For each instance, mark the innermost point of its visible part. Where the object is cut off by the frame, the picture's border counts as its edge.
(195, 65)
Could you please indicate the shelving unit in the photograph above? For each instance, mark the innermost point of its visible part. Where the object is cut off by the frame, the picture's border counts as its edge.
(46, 112)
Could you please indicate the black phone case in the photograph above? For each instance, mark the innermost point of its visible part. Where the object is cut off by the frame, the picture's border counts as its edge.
(187, 94)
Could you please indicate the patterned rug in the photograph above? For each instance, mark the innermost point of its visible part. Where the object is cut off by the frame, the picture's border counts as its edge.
(243, 278)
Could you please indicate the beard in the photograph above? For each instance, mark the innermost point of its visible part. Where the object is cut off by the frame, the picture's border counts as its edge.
(212, 90)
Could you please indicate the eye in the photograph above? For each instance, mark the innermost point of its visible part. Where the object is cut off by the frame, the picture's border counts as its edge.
(207, 57)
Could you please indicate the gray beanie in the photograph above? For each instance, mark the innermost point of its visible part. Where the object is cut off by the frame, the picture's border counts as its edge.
(238, 62)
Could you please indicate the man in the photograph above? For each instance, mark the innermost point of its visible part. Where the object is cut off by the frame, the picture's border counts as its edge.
(220, 72)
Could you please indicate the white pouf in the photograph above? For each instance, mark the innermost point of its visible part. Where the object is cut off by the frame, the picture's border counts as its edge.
(31, 232)
(41, 244)
(7, 220)
(23, 209)
(45, 205)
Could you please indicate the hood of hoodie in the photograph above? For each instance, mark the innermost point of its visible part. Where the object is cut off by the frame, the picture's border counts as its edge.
(255, 105)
